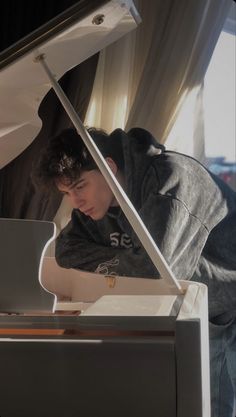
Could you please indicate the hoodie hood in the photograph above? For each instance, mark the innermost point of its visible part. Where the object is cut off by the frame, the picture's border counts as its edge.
(139, 148)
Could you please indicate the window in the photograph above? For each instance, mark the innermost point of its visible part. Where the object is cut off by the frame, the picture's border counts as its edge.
(219, 105)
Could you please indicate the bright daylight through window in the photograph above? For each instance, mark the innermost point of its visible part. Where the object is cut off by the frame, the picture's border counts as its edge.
(219, 105)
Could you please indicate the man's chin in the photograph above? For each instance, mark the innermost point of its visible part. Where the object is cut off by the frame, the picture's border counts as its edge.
(97, 216)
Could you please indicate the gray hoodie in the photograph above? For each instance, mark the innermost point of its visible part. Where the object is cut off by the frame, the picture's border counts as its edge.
(190, 213)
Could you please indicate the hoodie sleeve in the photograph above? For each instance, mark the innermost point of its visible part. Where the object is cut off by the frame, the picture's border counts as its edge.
(179, 235)
(77, 248)
(175, 220)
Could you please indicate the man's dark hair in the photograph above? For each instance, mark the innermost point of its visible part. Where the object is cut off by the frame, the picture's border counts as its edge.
(66, 156)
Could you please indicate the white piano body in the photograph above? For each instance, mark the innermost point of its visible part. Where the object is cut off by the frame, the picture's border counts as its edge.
(88, 344)
(117, 346)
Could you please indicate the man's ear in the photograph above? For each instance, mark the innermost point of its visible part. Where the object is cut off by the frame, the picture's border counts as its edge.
(112, 165)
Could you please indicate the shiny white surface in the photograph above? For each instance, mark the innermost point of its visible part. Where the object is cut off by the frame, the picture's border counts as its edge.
(23, 84)
(76, 285)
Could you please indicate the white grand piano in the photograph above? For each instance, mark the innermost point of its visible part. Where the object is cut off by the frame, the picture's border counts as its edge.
(118, 346)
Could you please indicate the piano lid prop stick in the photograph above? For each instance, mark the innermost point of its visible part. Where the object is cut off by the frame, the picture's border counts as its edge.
(124, 202)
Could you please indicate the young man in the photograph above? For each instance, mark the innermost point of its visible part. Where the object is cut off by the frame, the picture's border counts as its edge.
(190, 213)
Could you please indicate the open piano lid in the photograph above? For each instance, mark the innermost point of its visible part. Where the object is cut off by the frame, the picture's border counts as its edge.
(67, 40)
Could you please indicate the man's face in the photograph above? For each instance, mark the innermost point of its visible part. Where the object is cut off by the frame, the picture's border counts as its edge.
(90, 194)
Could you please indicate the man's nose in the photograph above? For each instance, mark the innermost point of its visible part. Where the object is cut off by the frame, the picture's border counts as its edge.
(76, 200)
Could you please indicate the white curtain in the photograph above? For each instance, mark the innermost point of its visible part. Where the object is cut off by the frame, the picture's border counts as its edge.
(110, 98)
(188, 132)
(144, 79)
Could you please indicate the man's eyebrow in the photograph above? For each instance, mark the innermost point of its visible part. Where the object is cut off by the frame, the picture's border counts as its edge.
(79, 181)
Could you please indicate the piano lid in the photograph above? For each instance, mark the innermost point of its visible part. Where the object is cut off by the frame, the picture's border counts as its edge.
(66, 41)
